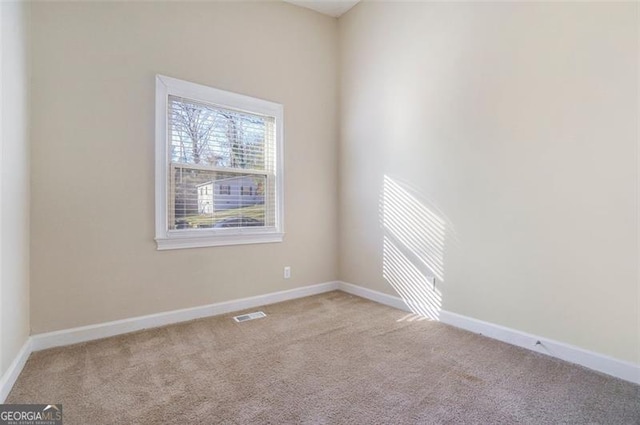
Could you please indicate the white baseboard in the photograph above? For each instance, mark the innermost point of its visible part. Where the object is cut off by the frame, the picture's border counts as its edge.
(118, 327)
(11, 375)
(599, 362)
(370, 294)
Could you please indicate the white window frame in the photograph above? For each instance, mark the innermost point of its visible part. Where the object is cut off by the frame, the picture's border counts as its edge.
(197, 238)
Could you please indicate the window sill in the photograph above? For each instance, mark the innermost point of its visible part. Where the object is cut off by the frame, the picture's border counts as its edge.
(192, 241)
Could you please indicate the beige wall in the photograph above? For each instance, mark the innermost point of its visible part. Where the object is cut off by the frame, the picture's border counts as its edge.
(494, 146)
(93, 257)
(14, 181)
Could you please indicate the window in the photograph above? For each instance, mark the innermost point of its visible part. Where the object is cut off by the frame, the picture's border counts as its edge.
(231, 143)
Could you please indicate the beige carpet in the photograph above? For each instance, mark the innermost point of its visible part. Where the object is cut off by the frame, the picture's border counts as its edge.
(327, 359)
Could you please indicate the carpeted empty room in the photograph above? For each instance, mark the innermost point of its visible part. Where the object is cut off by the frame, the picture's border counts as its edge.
(330, 358)
(319, 212)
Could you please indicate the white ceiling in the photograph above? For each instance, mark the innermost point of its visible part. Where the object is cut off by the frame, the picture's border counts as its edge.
(328, 7)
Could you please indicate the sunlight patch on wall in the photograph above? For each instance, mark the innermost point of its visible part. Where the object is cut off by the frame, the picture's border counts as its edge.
(409, 282)
(413, 249)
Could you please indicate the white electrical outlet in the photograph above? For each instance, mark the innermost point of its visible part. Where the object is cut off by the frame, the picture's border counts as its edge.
(287, 272)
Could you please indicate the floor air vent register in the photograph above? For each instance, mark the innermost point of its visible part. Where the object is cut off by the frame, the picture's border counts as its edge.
(249, 316)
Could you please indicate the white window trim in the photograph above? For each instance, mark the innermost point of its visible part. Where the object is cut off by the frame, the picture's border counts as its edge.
(192, 238)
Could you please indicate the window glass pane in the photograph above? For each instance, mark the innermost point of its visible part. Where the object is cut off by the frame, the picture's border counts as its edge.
(213, 199)
(209, 135)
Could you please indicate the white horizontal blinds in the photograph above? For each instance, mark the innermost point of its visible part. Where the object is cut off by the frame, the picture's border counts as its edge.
(209, 135)
(270, 187)
(213, 199)
(222, 167)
